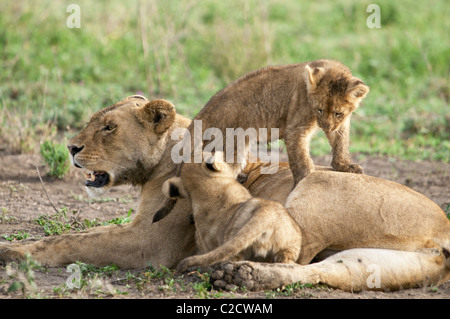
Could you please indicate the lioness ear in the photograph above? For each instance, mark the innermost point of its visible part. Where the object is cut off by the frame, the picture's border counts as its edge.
(173, 188)
(160, 113)
(312, 76)
(357, 89)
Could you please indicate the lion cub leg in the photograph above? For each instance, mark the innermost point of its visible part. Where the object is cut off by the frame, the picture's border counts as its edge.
(339, 141)
(286, 256)
(266, 230)
(297, 146)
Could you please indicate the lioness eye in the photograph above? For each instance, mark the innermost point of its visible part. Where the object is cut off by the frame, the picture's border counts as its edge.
(339, 114)
(320, 111)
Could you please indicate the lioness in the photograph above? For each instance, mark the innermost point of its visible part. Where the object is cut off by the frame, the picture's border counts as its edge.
(129, 142)
(230, 224)
(296, 99)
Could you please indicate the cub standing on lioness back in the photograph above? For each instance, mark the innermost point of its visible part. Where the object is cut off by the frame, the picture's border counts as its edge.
(296, 99)
(229, 223)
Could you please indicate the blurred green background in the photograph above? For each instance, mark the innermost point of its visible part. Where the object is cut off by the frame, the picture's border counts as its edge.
(52, 78)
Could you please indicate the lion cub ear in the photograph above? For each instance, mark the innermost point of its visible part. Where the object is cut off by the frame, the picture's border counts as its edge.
(140, 97)
(357, 89)
(173, 188)
(215, 162)
(160, 113)
(312, 76)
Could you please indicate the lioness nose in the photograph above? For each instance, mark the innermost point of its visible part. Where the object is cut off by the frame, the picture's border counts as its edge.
(73, 149)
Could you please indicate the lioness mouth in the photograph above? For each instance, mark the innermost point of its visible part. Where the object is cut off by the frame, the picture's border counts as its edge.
(96, 179)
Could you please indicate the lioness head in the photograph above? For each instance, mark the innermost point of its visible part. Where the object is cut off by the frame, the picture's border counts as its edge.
(122, 143)
(333, 92)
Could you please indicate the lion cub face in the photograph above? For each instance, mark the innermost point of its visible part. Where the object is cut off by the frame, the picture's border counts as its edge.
(333, 92)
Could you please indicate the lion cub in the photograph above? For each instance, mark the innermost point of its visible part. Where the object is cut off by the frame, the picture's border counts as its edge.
(231, 224)
(297, 99)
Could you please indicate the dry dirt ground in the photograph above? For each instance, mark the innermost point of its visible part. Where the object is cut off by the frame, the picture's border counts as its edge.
(23, 200)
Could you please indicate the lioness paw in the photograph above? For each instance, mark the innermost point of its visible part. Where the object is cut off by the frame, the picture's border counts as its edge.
(229, 276)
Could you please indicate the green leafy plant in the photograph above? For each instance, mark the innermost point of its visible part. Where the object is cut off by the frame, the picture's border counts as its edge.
(4, 218)
(56, 224)
(23, 276)
(56, 157)
(19, 235)
(120, 220)
(65, 221)
(88, 269)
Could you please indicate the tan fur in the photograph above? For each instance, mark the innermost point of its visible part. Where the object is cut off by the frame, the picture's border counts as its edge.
(350, 270)
(230, 224)
(297, 99)
(333, 210)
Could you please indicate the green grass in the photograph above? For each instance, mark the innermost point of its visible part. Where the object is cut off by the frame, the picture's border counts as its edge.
(53, 77)
(64, 222)
(23, 276)
(19, 235)
(56, 157)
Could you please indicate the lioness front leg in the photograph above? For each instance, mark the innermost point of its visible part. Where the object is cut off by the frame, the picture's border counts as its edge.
(127, 246)
(84, 246)
(339, 141)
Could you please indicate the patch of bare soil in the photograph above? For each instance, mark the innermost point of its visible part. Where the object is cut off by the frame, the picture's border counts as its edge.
(23, 199)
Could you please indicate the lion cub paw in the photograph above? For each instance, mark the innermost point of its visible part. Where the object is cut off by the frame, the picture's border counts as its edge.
(185, 264)
(348, 168)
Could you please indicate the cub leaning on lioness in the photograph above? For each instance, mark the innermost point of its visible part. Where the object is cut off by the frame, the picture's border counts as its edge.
(229, 223)
(296, 99)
